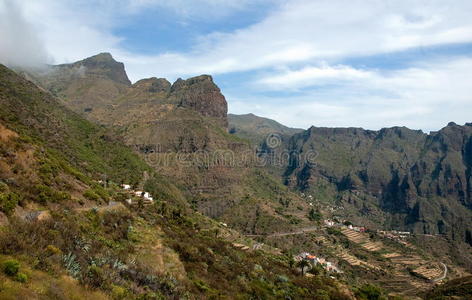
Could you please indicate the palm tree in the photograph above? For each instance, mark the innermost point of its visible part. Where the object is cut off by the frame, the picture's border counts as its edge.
(303, 264)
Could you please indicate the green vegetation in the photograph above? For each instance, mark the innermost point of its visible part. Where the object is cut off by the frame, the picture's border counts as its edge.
(370, 292)
(11, 267)
(315, 215)
(73, 144)
(46, 194)
(8, 202)
(21, 277)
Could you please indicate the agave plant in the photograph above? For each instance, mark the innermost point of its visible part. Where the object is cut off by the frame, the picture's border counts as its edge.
(71, 265)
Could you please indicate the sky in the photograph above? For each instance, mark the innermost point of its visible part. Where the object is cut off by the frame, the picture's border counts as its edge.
(331, 63)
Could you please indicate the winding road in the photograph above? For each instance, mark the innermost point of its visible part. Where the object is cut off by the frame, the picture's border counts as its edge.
(301, 231)
(444, 274)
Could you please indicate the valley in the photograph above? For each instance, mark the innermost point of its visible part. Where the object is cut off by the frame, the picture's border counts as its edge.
(150, 190)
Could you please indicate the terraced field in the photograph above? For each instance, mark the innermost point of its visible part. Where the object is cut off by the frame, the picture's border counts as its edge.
(411, 273)
(354, 261)
(362, 239)
(430, 272)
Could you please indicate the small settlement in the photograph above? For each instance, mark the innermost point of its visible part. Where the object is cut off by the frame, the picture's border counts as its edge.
(329, 266)
(144, 197)
(314, 260)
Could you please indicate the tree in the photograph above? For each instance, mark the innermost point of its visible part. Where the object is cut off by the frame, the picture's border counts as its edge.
(303, 264)
(314, 215)
(370, 292)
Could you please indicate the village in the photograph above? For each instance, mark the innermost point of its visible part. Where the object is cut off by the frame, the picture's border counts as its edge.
(144, 197)
(314, 261)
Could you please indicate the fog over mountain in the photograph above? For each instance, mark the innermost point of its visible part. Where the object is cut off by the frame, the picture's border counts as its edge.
(21, 45)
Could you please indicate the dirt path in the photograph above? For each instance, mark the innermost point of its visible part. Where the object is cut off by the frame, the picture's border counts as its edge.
(277, 234)
(444, 275)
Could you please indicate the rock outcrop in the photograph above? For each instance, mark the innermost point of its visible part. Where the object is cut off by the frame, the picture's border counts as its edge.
(202, 95)
(100, 65)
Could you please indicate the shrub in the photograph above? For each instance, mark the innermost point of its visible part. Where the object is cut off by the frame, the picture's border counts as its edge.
(21, 277)
(91, 195)
(315, 215)
(370, 292)
(47, 194)
(333, 231)
(95, 276)
(8, 202)
(10, 267)
(53, 250)
(118, 292)
(3, 187)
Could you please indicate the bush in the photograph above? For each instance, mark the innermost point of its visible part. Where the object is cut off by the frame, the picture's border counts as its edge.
(333, 231)
(21, 277)
(8, 202)
(47, 194)
(3, 187)
(370, 292)
(11, 267)
(91, 195)
(118, 292)
(95, 276)
(315, 215)
(53, 250)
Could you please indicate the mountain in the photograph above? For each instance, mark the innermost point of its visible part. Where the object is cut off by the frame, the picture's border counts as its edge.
(400, 178)
(180, 129)
(278, 185)
(69, 232)
(257, 129)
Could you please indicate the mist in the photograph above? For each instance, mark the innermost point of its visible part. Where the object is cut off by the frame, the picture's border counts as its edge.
(20, 44)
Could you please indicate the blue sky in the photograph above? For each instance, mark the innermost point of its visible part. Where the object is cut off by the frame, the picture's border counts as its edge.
(357, 63)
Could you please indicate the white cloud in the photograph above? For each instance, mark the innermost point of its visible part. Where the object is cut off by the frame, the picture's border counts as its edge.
(296, 31)
(310, 76)
(19, 43)
(304, 30)
(191, 8)
(426, 96)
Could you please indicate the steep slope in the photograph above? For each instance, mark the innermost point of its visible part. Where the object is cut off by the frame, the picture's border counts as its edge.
(257, 129)
(180, 129)
(396, 177)
(87, 86)
(63, 239)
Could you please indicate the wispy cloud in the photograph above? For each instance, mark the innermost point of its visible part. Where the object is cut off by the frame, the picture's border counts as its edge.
(313, 76)
(425, 96)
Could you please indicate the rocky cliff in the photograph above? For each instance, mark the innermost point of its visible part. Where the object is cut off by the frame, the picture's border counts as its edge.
(202, 95)
(422, 182)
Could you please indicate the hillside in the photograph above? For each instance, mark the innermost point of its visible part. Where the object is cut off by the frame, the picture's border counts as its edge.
(68, 233)
(257, 129)
(279, 185)
(180, 129)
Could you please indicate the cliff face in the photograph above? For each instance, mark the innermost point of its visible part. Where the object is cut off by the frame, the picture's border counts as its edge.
(100, 65)
(202, 95)
(422, 182)
(258, 129)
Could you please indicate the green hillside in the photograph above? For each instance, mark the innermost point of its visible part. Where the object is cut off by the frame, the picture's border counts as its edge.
(67, 233)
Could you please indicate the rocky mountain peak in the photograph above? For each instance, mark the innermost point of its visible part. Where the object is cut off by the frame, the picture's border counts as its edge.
(200, 93)
(102, 64)
(101, 57)
(153, 85)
